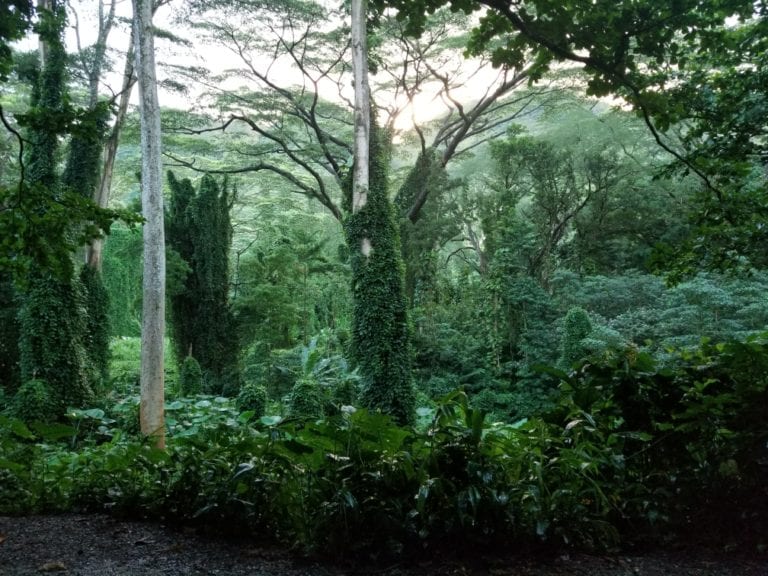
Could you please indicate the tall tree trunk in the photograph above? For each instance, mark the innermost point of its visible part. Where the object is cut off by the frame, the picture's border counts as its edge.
(360, 178)
(43, 5)
(153, 310)
(380, 333)
(101, 194)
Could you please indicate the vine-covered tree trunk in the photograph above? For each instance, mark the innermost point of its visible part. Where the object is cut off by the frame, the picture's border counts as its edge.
(380, 330)
(51, 318)
(380, 338)
(153, 308)
(199, 229)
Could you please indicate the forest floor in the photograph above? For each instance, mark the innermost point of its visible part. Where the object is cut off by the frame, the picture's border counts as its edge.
(100, 545)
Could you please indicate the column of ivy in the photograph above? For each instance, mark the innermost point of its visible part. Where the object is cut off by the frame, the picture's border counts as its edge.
(52, 321)
(380, 332)
(199, 230)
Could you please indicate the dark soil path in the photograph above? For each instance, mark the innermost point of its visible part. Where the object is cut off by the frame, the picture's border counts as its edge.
(98, 545)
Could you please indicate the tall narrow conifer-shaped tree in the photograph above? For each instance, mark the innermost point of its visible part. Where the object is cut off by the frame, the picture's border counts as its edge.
(203, 326)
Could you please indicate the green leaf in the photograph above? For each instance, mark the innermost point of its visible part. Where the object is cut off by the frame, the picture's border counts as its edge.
(245, 417)
(271, 420)
(17, 427)
(54, 431)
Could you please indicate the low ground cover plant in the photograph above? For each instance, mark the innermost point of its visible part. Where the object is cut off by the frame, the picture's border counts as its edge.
(631, 443)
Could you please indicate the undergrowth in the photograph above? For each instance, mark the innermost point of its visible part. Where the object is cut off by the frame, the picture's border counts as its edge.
(631, 445)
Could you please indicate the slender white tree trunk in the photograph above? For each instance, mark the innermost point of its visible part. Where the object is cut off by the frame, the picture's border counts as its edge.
(360, 178)
(153, 310)
(101, 195)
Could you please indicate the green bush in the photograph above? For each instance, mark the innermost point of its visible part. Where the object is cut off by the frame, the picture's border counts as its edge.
(576, 327)
(629, 444)
(306, 399)
(190, 377)
(34, 402)
(252, 397)
(126, 415)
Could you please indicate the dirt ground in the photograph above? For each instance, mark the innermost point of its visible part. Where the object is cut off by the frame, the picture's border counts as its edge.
(99, 545)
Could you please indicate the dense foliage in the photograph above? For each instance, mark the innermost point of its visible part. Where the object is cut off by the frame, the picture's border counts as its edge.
(380, 332)
(629, 445)
(557, 336)
(202, 321)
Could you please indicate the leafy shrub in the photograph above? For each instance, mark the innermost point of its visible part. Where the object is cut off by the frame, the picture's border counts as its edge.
(630, 443)
(190, 377)
(695, 426)
(279, 371)
(306, 399)
(576, 327)
(34, 402)
(343, 393)
(125, 413)
(252, 397)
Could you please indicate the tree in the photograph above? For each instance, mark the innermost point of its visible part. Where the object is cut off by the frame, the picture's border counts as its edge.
(81, 175)
(203, 325)
(36, 221)
(576, 327)
(380, 340)
(303, 138)
(153, 306)
(678, 64)
(290, 279)
(52, 320)
(15, 19)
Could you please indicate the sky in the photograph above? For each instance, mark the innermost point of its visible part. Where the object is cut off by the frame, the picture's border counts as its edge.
(216, 58)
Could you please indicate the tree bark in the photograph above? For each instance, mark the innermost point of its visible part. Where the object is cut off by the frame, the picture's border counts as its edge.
(360, 175)
(101, 194)
(153, 310)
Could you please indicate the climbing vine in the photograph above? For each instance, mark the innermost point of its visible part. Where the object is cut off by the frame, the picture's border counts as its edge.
(52, 319)
(203, 325)
(380, 331)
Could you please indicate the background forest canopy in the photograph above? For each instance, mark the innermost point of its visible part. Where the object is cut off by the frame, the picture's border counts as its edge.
(517, 200)
(568, 209)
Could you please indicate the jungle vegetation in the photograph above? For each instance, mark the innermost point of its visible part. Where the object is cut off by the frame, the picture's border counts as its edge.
(547, 322)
